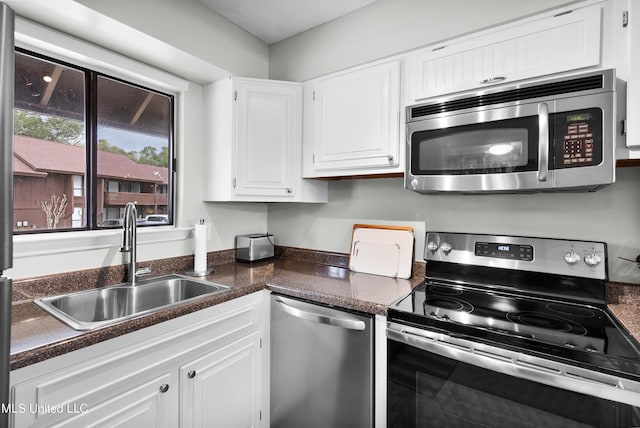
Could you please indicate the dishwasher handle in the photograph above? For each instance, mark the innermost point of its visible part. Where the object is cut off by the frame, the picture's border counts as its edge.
(349, 324)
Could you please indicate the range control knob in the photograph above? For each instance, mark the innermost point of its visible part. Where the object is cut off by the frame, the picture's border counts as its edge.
(446, 248)
(592, 259)
(432, 246)
(571, 257)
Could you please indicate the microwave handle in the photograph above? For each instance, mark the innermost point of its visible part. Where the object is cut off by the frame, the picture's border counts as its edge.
(543, 141)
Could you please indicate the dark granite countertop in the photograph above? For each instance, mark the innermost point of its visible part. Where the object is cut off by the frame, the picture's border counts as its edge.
(315, 276)
(623, 300)
(37, 336)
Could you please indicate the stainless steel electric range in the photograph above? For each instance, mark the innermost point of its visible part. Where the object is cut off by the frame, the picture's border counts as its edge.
(510, 331)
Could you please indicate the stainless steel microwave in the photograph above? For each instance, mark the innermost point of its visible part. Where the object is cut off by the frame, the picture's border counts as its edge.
(544, 135)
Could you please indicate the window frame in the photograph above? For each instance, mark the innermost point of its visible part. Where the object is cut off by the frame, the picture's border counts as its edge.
(90, 185)
(44, 40)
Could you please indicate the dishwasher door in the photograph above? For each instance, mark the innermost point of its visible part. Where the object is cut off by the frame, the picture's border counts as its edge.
(321, 366)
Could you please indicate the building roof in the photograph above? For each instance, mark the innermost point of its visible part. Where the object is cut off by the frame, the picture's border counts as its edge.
(21, 168)
(32, 156)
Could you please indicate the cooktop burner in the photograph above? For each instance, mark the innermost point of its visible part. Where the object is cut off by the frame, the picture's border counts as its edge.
(556, 323)
(447, 303)
(546, 322)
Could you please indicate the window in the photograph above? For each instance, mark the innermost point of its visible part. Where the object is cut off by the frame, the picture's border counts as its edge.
(78, 185)
(85, 145)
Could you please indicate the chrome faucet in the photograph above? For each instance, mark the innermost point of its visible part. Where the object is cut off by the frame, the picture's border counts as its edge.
(129, 243)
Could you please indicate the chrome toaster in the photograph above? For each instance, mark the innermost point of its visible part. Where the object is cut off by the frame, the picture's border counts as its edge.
(254, 247)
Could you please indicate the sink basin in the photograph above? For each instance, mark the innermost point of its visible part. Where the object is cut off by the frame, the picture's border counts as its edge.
(87, 310)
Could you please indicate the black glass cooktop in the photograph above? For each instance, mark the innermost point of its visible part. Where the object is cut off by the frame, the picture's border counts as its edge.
(582, 333)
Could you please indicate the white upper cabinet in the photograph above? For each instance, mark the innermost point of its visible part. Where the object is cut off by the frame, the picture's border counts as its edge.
(542, 45)
(253, 139)
(628, 39)
(352, 122)
(633, 80)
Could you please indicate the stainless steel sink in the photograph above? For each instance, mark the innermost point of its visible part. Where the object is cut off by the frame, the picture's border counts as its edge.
(87, 310)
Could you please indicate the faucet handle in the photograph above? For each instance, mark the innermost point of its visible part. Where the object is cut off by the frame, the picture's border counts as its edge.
(145, 271)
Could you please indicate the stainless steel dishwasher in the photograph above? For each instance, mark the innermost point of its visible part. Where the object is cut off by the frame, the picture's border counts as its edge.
(321, 366)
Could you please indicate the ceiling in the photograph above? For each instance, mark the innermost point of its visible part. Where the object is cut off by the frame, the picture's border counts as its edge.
(275, 20)
(121, 105)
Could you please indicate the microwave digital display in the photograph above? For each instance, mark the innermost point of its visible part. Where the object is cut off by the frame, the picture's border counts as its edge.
(580, 117)
(577, 138)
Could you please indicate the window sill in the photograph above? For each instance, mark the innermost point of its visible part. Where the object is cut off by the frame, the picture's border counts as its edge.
(72, 242)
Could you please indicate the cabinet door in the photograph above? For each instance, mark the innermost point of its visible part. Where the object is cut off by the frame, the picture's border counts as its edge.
(150, 404)
(223, 388)
(136, 399)
(268, 130)
(633, 77)
(355, 123)
(516, 51)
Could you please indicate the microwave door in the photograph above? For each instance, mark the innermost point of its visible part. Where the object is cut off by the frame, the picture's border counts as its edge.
(488, 150)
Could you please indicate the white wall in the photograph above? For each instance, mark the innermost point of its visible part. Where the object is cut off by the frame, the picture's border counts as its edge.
(182, 37)
(610, 215)
(389, 27)
(191, 27)
(392, 26)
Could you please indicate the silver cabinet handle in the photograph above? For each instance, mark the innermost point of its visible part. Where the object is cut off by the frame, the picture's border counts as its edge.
(164, 388)
(191, 374)
(289, 190)
(543, 141)
(390, 158)
(350, 324)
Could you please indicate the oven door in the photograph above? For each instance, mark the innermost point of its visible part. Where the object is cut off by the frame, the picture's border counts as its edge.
(498, 149)
(439, 381)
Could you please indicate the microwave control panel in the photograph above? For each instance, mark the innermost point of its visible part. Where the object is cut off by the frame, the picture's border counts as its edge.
(577, 138)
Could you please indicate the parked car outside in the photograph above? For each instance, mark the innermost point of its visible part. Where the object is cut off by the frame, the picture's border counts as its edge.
(157, 219)
(114, 222)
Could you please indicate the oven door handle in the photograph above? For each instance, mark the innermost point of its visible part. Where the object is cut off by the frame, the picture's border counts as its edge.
(543, 141)
(515, 364)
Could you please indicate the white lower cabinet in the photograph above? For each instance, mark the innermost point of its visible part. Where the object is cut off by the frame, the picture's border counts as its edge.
(222, 388)
(144, 405)
(203, 369)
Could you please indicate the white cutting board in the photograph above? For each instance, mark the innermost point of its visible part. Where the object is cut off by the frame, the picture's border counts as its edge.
(382, 250)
